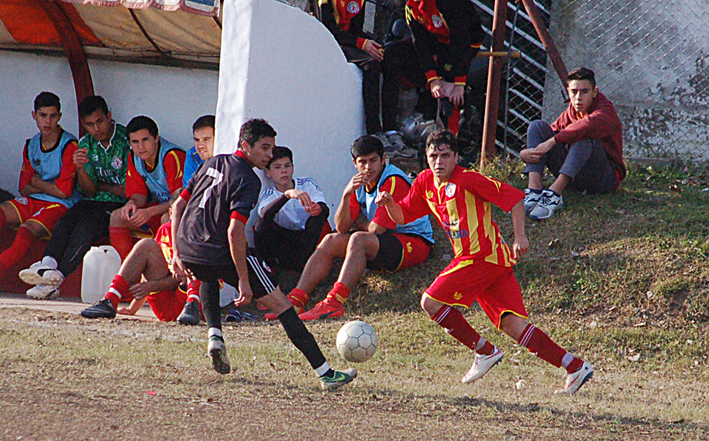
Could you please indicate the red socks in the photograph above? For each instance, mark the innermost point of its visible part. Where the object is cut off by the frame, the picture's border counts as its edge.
(338, 294)
(544, 347)
(11, 256)
(118, 290)
(298, 298)
(121, 240)
(455, 324)
(193, 292)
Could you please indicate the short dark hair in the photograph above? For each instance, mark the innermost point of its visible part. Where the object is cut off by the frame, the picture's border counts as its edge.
(366, 145)
(279, 152)
(254, 129)
(204, 121)
(91, 104)
(583, 73)
(142, 122)
(440, 138)
(47, 99)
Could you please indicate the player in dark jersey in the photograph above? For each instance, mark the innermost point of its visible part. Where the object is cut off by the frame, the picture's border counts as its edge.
(209, 220)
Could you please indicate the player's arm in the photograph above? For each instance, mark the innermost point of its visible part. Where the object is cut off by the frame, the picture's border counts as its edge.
(327, 16)
(26, 173)
(115, 189)
(520, 246)
(85, 176)
(405, 209)
(179, 271)
(398, 188)
(237, 248)
(386, 200)
(63, 186)
(348, 210)
(142, 290)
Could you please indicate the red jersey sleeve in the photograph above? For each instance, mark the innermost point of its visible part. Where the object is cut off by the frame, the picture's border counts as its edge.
(414, 204)
(398, 188)
(67, 177)
(27, 170)
(503, 195)
(355, 209)
(135, 184)
(174, 164)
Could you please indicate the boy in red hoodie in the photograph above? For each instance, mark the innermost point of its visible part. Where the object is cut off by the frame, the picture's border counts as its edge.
(583, 148)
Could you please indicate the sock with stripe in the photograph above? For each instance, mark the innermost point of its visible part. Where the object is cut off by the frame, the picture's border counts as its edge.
(193, 292)
(544, 347)
(455, 324)
(121, 240)
(118, 290)
(11, 256)
(338, 294)
(298, 297)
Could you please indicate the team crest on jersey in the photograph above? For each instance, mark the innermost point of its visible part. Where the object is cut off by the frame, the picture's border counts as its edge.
(95, 156)
(437, 21)
(353, 8)
(22, 200)
(117, 163)
(450, 189)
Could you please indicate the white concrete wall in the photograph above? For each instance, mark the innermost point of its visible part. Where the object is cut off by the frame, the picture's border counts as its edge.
(173, 97)
(281, 64)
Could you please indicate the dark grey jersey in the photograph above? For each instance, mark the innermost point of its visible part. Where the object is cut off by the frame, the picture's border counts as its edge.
(222, 188)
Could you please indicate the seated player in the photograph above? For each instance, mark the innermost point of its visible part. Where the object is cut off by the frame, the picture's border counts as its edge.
(583, 148)
(293, 215)
(482, 267)
(155, 170)
(47, 182)
(101, 161)
(374, 242)
(345, 20)
(203, 135)
(147, 275)
(209, 220)
(446, 36)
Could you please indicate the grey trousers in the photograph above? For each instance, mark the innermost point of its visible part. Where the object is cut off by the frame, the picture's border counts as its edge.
(585, 162)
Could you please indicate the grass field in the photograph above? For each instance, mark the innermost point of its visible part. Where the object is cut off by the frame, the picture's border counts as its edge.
(621, 280)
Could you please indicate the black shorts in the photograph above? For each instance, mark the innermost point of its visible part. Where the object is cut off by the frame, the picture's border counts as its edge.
(261, 277)
(390, 253)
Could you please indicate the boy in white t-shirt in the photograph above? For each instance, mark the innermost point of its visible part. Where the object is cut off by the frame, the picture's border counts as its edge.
(293, 215)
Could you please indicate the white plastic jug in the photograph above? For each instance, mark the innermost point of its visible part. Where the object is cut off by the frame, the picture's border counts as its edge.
(101, 264)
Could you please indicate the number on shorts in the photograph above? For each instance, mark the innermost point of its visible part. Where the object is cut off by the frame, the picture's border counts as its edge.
(218, 176)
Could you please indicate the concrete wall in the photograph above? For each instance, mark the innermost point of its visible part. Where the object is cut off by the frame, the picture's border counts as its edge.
(650, 59)
(173, 97)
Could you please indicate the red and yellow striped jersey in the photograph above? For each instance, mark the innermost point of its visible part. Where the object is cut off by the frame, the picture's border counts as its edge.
(462, 208)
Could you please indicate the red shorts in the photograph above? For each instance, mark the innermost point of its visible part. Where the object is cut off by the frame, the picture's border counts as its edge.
(398, 251)
(45, 213)
(167, 305)
(493, 286)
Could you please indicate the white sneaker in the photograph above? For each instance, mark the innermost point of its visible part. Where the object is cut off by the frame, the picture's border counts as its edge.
(482, 364)
(577, 379)
(39, 273)
(547, 206)
(531, 199)
(43, 292)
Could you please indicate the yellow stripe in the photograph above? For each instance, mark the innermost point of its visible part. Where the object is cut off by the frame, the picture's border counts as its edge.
(472, 222)
(499, 321)
(49, 233)
(19, 216)
(177, 161)
(393, 185)
(462, 264)
(449, 304)
(453, 216)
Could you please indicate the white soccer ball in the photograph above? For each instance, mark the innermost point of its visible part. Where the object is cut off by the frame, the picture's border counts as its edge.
(357, 341)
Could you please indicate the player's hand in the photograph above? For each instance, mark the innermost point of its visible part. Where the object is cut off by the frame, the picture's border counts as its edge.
(301, 196)
(139, 218)
(141, 290)
(520, 247)
(124, 311)
(179, 271)
(357, 181)
(127, 210)
(531, 156)
(245, 293)
(438, 88)
(314, 210)
(374, 49)
(81, 157)
(384, 198)
(456, 94)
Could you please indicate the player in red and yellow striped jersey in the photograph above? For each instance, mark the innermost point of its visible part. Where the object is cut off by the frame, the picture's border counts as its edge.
(482, 267)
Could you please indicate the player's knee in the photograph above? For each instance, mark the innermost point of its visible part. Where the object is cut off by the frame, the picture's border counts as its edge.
(116, 220)
(35, 228)
(359, 240)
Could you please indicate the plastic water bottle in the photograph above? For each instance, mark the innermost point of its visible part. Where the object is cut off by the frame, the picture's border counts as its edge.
(101, 264)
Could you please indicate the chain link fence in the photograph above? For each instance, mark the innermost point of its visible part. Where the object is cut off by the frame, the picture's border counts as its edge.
(651, 59)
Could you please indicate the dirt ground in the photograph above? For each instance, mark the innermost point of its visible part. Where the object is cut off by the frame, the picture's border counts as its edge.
(67, 378)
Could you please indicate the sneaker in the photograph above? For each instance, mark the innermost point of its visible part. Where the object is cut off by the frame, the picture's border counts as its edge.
(482, 364)
(546, 207)
(39, 273)
(102, 309)
(389, 149)
(397, 142)
(531, 199)
(43, 292)
(297, 302)
(190, 314)
(321, 311)
(577, 379)
(340, 378)
(217, 352)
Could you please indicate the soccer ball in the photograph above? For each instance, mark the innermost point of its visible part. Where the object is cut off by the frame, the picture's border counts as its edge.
(357, 341)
